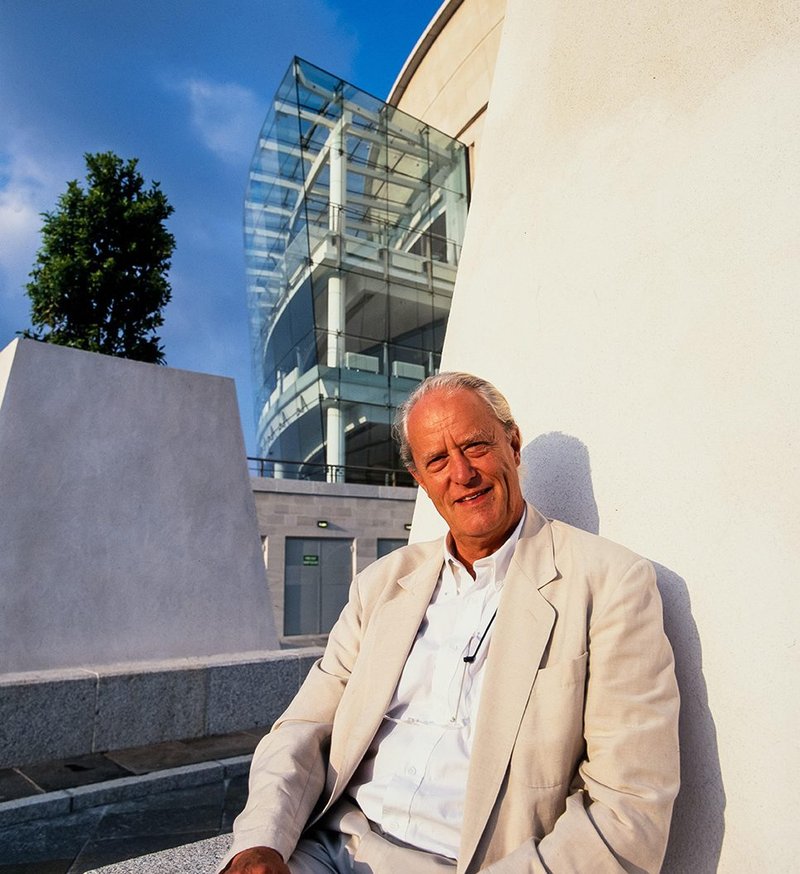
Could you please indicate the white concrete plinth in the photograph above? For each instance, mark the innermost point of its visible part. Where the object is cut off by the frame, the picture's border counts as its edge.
(128, 529)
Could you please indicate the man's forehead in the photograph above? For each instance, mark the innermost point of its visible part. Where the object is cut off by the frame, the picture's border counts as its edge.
(464, 401)
(460, 433)
(441, 423)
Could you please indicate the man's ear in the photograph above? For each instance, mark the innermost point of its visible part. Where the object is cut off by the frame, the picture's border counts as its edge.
(515, 438)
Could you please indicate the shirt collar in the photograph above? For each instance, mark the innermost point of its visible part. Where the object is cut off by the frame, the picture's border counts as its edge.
(498, 561)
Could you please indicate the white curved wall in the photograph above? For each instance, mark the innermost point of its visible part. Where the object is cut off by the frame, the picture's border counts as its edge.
(447, 78)
(630, 279)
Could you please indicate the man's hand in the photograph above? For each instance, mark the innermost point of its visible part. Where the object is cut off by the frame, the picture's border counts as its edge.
(257, 860)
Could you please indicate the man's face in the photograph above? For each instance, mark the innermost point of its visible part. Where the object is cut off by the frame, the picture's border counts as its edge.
(467, 464)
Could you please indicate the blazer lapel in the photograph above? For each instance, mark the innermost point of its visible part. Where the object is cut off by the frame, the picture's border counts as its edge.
(387, 642)
(523, 626)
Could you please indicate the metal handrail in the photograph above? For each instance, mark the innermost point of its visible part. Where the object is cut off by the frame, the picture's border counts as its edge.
(278, 468)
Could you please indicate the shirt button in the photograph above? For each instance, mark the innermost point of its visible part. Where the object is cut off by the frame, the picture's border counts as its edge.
(412, 770)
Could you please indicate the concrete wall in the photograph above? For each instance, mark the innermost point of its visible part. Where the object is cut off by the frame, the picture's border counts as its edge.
(292, 508)
(128, 528)
(630, 279)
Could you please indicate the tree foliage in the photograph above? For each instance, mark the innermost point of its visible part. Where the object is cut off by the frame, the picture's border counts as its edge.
(99, 281)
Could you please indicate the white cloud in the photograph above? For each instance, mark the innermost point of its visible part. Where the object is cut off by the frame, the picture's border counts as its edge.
(226, 116)
(26, 190)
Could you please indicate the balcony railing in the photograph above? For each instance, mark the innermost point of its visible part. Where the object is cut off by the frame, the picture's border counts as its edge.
(274, 468)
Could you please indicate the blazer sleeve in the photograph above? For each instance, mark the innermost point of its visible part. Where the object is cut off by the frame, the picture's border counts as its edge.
(290, 763)
(618, 812)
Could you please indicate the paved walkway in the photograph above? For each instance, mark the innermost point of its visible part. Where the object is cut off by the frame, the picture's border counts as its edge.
(71, 816)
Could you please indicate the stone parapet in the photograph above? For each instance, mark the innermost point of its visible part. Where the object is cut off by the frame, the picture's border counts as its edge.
(60, 713)
(201, 857)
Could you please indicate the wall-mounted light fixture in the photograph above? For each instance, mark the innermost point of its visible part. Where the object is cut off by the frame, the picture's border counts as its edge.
(322, 523)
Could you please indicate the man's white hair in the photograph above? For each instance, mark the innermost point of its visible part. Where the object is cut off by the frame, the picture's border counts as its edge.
(449, 382)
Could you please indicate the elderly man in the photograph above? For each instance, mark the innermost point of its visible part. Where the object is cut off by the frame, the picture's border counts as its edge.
(501, 701)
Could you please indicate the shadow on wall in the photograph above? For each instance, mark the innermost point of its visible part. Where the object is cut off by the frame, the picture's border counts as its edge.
(698, 820)
(557, 478)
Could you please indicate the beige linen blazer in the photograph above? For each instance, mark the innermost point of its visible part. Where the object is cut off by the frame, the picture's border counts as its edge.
(574, 764)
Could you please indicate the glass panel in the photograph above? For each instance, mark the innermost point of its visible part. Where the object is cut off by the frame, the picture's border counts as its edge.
(336, 561)
(389, 544)
(350, 194)
(317, 578)
(301, 607)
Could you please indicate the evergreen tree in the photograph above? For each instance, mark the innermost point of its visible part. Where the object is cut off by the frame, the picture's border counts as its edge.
(99, 282)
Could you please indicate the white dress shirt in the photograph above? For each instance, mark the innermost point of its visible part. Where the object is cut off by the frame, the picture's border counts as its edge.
(413, 780)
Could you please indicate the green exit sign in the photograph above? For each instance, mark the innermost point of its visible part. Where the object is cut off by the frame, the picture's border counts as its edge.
(310, 561)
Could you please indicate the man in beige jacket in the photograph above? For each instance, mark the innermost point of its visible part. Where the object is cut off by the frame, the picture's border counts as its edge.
(504, 701)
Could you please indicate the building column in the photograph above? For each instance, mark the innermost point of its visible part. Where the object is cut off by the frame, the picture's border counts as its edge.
(336, 320)
(336, 226)
(337, 166)
(334, 443)
(334, 420)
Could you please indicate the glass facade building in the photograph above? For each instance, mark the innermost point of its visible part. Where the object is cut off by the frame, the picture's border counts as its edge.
(354, 219)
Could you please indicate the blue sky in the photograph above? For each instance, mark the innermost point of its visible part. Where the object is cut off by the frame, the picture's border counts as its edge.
(184, 86)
